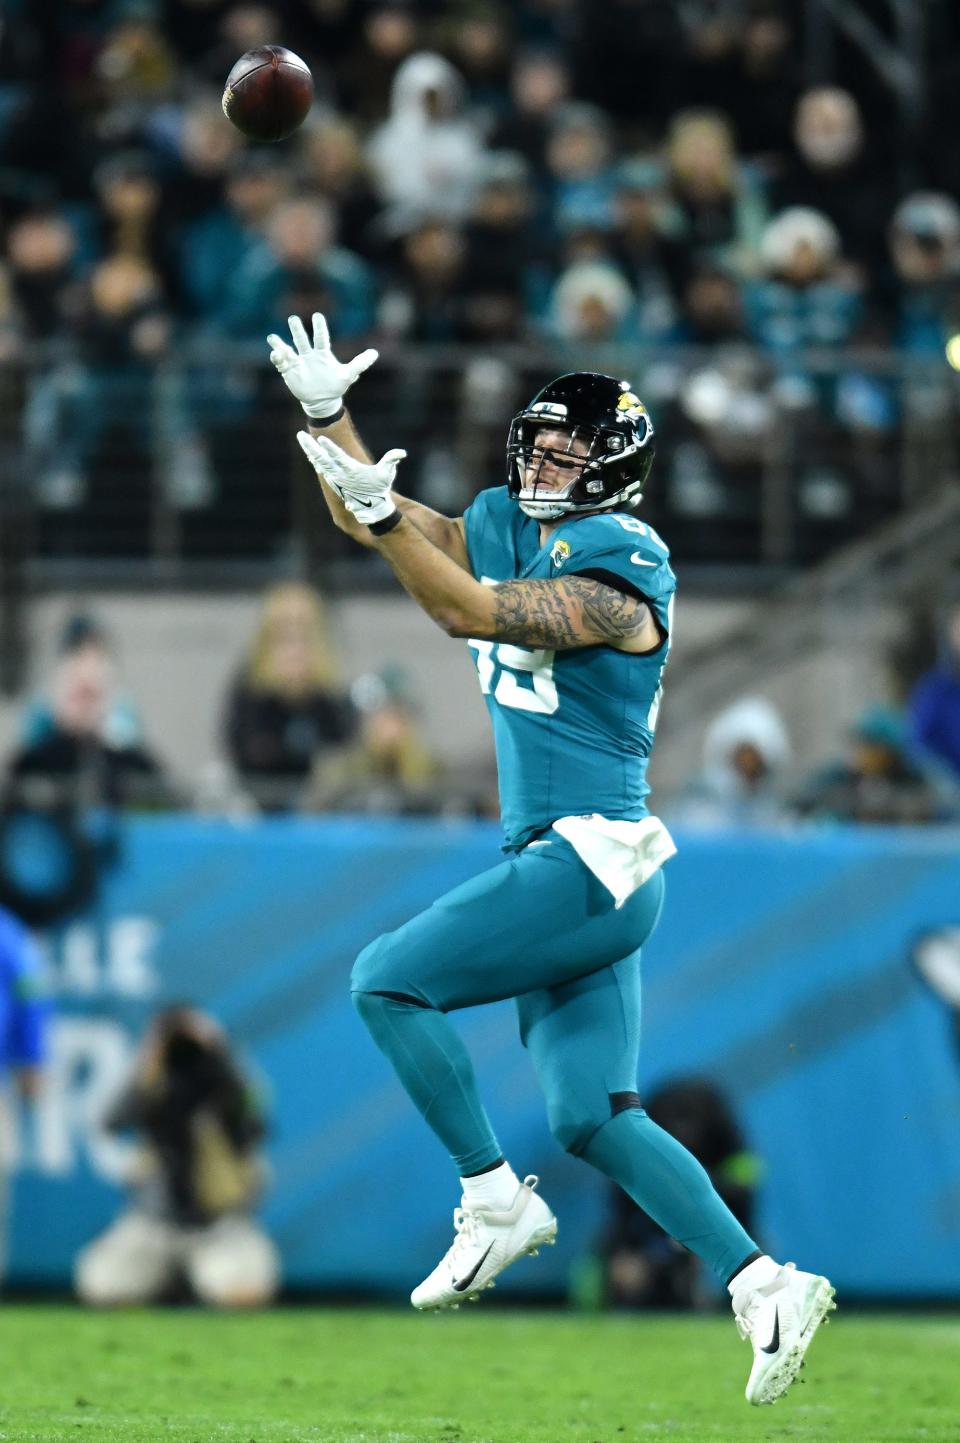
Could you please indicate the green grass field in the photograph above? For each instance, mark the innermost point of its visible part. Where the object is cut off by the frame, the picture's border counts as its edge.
(485, 1377)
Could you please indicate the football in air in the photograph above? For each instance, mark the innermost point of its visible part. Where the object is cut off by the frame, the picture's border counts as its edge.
(268, 93)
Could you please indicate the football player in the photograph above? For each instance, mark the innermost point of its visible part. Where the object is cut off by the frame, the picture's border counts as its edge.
(566, 600)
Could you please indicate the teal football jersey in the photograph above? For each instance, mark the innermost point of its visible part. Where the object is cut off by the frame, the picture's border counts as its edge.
(573, 730)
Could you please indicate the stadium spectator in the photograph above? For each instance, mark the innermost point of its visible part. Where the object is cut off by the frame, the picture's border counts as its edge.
(592, 302)
(711, 310)
(506, 268)
(426, 158)
(641, 1266)
(720, 421)
(24, 1020)
(41, 250)
(286, 707)
(130, 219)
(197, 1180)
(935, 702)
(539, 86)
(922, 305)
(653, 262)
(75, 754)
(389, 769)
(806, 299)
(478, 39)
(101, 408)
(832, 170)
(746, 754)
(880, 781)
(204, 149)
(334, 167)
(82, 635)
(390, 35)
(215, 245)
(298, 268)
(134, 72)
(425, 301)
(580, 162)
(123, 322)
(718, 209)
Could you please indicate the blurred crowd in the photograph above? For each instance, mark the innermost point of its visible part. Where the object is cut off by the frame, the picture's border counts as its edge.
(295, 737)
(638, 174)
(899, 763)
(471, 171)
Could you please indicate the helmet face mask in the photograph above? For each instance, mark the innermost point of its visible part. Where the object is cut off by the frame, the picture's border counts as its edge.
(605, 441)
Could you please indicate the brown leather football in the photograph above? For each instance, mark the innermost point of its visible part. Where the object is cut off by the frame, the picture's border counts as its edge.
(268, 93)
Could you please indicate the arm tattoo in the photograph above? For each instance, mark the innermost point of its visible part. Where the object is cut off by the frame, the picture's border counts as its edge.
(573, 612)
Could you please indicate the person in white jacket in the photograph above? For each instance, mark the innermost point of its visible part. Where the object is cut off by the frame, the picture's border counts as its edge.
(427, 159)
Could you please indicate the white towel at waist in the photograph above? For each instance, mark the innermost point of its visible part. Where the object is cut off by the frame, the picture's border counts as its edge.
(623, 855)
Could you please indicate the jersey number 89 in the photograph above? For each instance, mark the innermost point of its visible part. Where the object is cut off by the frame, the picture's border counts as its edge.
(540, 696)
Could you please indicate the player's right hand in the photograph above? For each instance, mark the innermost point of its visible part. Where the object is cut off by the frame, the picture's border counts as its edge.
(363, 487)
(312, 373)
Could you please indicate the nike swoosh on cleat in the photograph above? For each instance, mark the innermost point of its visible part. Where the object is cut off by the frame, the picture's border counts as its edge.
(774, 1342)
(463, 1283)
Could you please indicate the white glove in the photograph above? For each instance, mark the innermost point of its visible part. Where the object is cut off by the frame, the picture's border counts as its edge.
(312, 373)
(364, 489)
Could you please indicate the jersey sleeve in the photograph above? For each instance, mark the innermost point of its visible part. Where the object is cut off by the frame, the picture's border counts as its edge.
(630, 556)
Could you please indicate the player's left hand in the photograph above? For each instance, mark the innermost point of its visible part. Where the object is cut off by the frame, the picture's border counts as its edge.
(363, 488)
(312, 373)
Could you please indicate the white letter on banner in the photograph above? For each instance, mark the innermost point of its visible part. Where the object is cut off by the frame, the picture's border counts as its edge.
(131, 943)
(90, 1061)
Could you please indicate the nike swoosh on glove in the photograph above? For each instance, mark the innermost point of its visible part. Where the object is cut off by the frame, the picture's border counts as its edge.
(364, 488)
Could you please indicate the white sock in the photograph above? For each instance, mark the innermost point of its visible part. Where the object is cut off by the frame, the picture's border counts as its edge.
(755, 1275)
(495, 1189)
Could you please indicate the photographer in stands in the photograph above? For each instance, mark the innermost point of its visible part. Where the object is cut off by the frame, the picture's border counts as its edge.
(196, 1182)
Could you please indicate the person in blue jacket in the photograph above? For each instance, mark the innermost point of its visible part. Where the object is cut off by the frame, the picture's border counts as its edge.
(935, 702)
(24, 1014)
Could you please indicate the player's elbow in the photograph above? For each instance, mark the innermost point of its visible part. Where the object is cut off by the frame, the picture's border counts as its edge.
(455, 622)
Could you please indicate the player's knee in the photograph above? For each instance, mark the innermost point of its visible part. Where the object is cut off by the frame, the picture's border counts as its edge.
(382, 973)
(371, 971)
(573, 1124)
(370, 1007)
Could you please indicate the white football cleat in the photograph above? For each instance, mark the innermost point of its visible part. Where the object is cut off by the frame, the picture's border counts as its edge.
(486, 1243)
(780, 1320)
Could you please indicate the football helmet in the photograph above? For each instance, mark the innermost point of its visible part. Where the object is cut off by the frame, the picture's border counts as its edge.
(614, 440)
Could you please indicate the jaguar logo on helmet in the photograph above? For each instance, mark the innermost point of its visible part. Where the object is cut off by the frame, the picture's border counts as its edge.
(589, 425)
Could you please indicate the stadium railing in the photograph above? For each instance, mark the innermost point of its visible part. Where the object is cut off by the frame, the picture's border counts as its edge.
(187, 472)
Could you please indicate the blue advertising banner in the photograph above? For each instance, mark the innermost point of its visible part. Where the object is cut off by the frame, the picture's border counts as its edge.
(808, 974)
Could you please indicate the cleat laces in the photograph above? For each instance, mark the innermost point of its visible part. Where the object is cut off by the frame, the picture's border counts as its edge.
(467, 1225)
(746, 1319)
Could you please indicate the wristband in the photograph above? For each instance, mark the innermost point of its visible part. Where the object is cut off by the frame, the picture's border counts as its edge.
(380, 528)
(321, 422)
